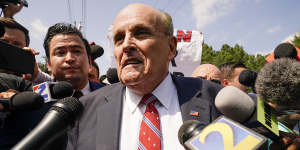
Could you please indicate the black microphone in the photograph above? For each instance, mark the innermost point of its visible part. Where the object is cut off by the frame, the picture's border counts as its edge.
(55, 123)
(279, 83)
(24, 101)
(248, 78)
(187, 130)
(2, 30)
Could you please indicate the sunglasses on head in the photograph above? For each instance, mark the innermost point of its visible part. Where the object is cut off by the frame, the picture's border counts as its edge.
(212, 80)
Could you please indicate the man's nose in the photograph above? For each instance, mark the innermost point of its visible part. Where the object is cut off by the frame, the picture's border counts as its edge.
(70, 57)
(128, 44)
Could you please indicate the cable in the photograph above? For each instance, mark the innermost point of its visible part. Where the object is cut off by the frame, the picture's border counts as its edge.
(70, 11)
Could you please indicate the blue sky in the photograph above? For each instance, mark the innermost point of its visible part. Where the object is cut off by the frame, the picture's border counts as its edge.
(258, 25)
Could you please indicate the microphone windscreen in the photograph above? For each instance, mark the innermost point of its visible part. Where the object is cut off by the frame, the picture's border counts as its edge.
(234, 103)
(112, 75)
(247, 78)
(69, 108)
(61, 90)
(285, 50)
(279, 82)
(187, 130)
(27, 101)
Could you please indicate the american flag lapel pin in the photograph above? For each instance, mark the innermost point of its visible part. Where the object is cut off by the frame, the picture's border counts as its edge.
(194, 113)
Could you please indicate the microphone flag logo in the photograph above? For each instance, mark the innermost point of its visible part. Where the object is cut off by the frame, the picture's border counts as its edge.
(194, 113)
(43, 90)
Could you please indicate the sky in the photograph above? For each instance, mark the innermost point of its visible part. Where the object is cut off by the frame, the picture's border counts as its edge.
(257, 25)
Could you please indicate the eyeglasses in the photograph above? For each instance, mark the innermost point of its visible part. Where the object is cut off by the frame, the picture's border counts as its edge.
(213, 80)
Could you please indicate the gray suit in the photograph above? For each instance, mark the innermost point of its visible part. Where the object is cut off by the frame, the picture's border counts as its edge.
(99, 126)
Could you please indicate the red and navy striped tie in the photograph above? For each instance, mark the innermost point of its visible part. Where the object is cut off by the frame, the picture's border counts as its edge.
(150, 133)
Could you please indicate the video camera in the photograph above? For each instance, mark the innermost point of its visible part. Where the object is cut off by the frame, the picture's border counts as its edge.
(4, 3)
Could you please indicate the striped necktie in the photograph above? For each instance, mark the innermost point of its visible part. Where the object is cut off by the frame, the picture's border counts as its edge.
(150, 133)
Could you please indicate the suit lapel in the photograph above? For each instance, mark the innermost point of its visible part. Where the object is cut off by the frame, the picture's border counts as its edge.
(192, 103)
(109, 118)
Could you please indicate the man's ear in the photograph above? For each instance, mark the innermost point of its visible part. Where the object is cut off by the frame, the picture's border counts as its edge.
(225, 82)
(90, 60)
(49, 65)
(173, 47)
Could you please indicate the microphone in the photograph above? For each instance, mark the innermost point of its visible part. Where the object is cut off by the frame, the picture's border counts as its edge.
(248, 78)
(2, 30)
(279, 83)
(24, 101)
(55, 123)
(51, 91)
(188, 129)
(238, 106)
(222, 133)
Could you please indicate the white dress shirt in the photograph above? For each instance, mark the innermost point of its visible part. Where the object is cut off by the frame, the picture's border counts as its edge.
(169, 114)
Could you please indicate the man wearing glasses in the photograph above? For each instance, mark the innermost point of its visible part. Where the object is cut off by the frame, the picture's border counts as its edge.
(208, 72)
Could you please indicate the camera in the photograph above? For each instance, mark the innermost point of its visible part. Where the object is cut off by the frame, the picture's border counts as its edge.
(4, 3)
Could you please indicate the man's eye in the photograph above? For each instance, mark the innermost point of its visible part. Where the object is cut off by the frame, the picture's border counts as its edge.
(59, 53)
(77, 51)
(141, 32)
(118, 39)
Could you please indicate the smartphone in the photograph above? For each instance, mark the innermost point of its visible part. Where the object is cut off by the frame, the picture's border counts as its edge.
(16, 59)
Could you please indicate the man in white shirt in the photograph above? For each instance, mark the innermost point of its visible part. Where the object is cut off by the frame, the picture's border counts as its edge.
(115, 116)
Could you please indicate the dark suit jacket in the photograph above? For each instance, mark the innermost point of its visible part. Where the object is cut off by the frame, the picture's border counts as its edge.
(100, 123)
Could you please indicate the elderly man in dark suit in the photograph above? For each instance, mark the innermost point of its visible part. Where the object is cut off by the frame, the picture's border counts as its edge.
(145, 110)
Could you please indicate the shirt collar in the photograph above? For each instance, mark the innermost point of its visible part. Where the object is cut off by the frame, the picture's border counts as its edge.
(86, 89)
(163, 93)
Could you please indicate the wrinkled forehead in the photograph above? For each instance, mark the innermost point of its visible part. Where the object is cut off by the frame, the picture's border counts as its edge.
(138, 14)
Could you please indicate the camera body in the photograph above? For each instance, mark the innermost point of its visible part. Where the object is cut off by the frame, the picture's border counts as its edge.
(4, 3)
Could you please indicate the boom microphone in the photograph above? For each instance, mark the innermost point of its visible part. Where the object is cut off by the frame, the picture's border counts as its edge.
(51, 91)
(55, 123)
(279, 83)
(24, 101)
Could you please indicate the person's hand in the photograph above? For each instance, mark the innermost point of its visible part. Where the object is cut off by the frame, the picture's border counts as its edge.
(31, 77)
(8, 94)
(288, 141)
(12, 9)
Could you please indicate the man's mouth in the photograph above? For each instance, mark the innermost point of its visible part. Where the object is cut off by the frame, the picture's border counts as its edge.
(132, 62)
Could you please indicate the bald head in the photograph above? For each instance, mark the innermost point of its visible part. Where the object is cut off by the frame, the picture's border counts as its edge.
(159, 18)
(208, 71)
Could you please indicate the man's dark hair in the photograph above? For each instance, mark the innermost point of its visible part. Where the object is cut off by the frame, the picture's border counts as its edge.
(285, 50)
(227, 69)
(12, 24)
(64, 28)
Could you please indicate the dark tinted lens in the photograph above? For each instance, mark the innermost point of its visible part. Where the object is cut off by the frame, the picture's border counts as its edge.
(216, 81)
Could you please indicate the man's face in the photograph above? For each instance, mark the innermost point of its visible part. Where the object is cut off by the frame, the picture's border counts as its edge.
(93, 74)
(141, 48)
(14, 37)
(235, 81)
(69, 60)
